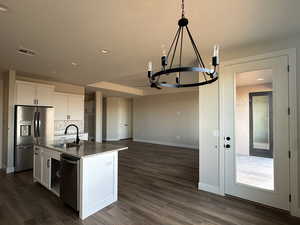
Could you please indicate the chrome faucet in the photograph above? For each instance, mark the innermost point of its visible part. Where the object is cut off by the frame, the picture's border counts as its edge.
(77, 132)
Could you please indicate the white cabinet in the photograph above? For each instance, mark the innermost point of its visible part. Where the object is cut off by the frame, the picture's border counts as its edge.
(46, 169)
(28, 93)
(44, 95)
(61, 106)
(76, 107)
(42, 165)
(37, 164)
(68, 106)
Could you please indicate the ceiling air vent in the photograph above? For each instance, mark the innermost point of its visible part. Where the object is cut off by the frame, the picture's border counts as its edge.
(26, 51)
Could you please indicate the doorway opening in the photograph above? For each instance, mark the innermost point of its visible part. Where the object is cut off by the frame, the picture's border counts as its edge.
(254, 129)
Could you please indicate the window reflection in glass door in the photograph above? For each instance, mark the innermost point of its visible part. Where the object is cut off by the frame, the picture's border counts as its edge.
(260, 105)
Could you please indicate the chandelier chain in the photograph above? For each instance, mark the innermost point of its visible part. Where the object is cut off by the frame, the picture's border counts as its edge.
(182, 8)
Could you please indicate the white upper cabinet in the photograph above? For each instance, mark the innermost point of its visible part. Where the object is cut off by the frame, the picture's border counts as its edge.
(61, 106)
(45, 95)
(28, 93)
(68, 106)
(76, 107)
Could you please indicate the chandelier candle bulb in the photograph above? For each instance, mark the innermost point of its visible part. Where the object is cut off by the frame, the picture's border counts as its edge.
(150, 66)
(216, 51)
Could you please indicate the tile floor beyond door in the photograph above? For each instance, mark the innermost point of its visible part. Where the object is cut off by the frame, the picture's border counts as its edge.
(255, 171)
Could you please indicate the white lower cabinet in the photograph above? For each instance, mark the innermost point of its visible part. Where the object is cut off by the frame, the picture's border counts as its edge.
(37, 164)
(42, 165)
(46, 169)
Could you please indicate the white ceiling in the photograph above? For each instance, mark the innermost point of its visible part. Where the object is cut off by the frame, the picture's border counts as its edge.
(62, 32)
(254, 78)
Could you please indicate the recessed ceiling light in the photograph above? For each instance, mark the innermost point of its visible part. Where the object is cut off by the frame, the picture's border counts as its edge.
(104, 51)
(74, 64)
(260, 79)
(3, 8)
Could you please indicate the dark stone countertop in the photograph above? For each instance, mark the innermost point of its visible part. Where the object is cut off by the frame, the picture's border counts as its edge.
(86, 148)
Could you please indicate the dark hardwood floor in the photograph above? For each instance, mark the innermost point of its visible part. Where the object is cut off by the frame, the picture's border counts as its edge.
(157, 185)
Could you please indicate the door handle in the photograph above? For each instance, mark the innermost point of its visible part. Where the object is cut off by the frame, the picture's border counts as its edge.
(38, 124)
(35, 124)
(48, 163)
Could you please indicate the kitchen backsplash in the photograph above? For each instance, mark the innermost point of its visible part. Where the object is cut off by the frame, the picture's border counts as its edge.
(60, 126)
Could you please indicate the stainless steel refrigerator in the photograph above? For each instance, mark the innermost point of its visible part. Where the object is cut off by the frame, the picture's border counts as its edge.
(32, 124)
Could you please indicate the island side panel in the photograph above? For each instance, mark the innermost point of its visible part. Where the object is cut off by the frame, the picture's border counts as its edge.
(98, 182)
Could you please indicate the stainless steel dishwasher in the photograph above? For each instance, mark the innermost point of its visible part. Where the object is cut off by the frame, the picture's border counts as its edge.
(69, 186)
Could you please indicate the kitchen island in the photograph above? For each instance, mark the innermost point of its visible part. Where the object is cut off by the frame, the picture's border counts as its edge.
(85, 176)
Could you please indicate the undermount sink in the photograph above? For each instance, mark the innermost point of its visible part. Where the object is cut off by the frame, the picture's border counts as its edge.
(70, 145)
(66, 145)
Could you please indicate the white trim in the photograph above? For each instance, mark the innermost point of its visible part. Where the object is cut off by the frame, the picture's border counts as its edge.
(294, 181)
(111, 139)
(287, 52)
(210, 188)
(221, 146)
(10, 170)
(166, 143)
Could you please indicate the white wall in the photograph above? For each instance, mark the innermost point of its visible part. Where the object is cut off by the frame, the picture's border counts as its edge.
(8, 120)
(98, 116)
(170, 119)
(1, 122)
(209, 157)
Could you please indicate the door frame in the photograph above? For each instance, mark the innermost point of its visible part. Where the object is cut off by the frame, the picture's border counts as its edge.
(291, 54)
(255, 151)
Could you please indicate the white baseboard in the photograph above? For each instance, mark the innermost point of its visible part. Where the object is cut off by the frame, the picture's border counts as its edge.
(210, 188)
(295, 212)
(10, 170)
(111, 139)
(166, 143)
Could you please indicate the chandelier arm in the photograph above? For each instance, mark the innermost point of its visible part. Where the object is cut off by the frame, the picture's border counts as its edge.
(175, 48)
(180, 55)
(200, 61)
(196, 49)
(173, 42)
(197, 53)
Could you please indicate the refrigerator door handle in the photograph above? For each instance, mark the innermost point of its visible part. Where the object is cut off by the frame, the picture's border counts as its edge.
(38, 124)
(35, 124)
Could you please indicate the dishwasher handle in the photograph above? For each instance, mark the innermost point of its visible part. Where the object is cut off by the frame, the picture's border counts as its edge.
(70, 161)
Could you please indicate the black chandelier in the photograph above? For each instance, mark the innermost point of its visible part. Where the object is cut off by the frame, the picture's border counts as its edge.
(209, 75)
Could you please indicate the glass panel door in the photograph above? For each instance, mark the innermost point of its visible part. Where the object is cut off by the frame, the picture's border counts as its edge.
(256, 131)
